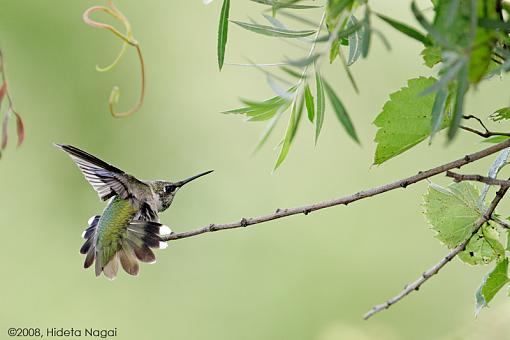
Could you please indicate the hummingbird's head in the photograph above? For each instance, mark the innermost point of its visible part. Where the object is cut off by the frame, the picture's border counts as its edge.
(165, 191)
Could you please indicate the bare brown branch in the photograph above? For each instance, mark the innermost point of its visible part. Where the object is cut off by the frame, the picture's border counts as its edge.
(306, 209)
(477, 178)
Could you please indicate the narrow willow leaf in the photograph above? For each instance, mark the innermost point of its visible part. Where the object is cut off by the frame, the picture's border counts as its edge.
(3, 90)
(223, 32)
(496, 166)
(310, 106)
(404, 28)
(335, 7)
(291, 72)
(438, 112)
(299, 113)
(291, 130)
(381, 36)
(458, 109)
(348, 72)
(367, 36)
(303, 61)
(501, 114)
(350, 30)
(443, 82)
(341, 113)
(268, 129)
(495, 139)
(299, 18)
(404, 120)
(20, 128)
(278, 89)
(427, 26)
(273, 31)
(274, 22)
(319, 120)
(491, 284)
(285, 4)
(355, 42)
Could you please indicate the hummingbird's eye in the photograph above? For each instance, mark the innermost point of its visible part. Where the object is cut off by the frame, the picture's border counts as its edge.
(169, 188)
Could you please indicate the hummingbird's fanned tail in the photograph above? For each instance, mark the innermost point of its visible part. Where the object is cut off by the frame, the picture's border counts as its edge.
(133, 245)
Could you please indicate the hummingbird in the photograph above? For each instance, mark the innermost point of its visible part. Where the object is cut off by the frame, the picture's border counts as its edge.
(129, 226)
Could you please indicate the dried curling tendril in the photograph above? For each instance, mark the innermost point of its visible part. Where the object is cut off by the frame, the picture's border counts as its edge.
(127, 39)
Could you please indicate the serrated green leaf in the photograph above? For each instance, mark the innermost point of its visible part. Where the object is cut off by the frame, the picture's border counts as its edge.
(451, 212)
(501, 114)
(406, 29)
(273, 31)
(404, 120)
(491, 284)
(223, 32)
(310, 105)
(484, 247)
(340, 112)
(319, 120)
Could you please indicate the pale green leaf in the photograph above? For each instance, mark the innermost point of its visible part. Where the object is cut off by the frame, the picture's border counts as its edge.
(451, 212)
(406, 29)
(405, 120)
(491, 284)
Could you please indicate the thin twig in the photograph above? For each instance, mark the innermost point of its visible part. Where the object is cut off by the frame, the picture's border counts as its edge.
(485, 134)
(306, 209)
(477, 178)
(502, 223)
(437, 267)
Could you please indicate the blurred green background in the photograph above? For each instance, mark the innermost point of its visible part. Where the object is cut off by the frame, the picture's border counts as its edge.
(302, 277)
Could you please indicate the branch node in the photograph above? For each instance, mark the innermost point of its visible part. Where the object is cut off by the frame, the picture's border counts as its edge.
(404, 184)
(307, 211)
(243, 222)
(278, 210)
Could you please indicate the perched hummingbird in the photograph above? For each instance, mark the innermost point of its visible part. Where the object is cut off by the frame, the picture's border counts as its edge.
(129, 226)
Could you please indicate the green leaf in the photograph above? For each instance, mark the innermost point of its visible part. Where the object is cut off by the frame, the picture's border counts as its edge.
(285, 4)
(404, 120)
(291, 72)
(320, 105)
(484, 247)
(457, 25)
(438, 112)
(458, 109)
(223, 32)
(289, 135)
(310, 106)
(355, 42)
(431, 55)
(341, 113)
(273, 31)
(407, 30)
(491, 284)
(335, 7)
(495, 139)
(348, 71)
(452, 212)
(269, 128)
(495, 168)
(367, 34)
(501, 114)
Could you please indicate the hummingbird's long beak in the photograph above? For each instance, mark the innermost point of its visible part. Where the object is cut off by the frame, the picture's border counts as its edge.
(181, 183)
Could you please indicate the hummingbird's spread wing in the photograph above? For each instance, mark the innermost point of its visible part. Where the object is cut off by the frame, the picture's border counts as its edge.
(106, 179)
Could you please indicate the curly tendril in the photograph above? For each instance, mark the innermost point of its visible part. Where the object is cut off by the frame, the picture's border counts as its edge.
(127, 39)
